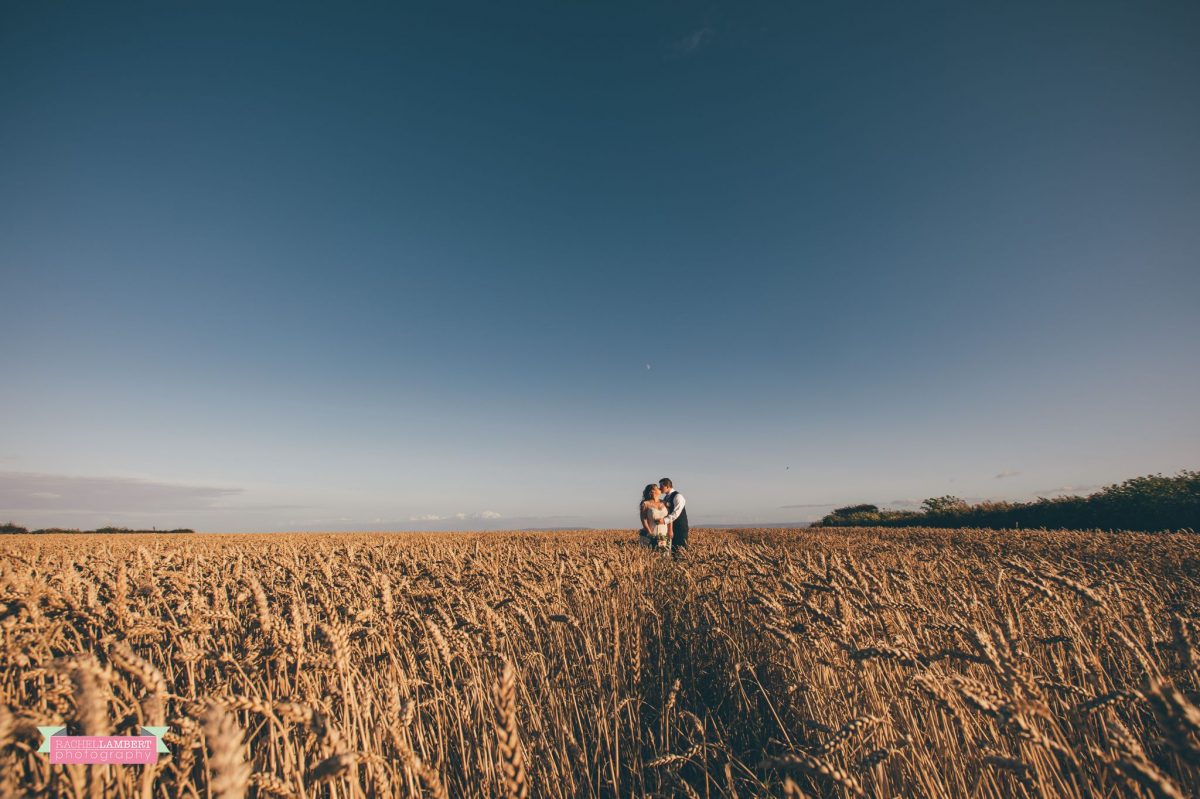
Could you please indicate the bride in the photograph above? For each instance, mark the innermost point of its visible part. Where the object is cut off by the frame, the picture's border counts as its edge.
(654, 532)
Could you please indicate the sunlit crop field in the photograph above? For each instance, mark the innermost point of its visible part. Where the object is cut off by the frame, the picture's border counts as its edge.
(846, 662)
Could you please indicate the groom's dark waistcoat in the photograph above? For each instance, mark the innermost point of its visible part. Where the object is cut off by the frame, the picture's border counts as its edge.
(680, 524)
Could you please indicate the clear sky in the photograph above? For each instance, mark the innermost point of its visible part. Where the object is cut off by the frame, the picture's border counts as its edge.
(464, 265)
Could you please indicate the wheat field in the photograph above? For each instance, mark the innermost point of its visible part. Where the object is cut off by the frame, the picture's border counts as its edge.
(820, 663)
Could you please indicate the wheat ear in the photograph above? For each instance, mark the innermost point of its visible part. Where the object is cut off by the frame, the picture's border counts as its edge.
(229, 773)
(512, 759)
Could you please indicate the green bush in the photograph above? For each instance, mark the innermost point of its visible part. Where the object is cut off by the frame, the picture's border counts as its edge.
(851, 510)
(946, 504)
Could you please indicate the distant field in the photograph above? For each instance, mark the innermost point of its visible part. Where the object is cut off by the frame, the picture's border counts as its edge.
(823, 662)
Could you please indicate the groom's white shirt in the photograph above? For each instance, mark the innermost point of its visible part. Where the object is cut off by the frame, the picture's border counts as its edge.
(679, 503)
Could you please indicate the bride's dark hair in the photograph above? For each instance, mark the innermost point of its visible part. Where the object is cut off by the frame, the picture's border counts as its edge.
(648, 492)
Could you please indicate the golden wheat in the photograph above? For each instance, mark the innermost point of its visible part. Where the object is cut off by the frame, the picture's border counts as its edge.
(883, 663)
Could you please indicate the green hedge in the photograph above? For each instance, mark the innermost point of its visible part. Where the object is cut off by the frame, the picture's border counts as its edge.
(17, 529)
(1149, 503)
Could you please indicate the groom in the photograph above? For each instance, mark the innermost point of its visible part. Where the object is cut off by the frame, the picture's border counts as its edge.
(676, 515)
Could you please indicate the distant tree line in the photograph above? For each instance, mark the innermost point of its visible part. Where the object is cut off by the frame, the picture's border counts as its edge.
(1150, 503)
(15, 529)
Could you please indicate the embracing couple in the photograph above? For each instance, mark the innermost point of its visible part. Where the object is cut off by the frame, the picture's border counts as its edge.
(664, 517)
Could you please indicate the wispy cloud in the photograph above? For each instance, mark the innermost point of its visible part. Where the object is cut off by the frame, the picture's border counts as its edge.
(809, 505)
(1005, 475)
(25, 491)
(434, 517)
(1049, 492)
(690, 43)
(483, 520)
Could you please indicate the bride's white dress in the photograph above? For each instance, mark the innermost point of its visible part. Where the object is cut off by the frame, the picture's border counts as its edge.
(660, 531)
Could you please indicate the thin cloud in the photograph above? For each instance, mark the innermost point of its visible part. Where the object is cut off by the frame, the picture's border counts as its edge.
(25, 491)
(691, 43)
(1005, 475)
(809, 505)
(434, 517)
(1066, 490)
(481, 521)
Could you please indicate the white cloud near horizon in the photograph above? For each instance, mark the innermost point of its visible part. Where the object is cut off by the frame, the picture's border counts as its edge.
(434, 517)
(1006, 475)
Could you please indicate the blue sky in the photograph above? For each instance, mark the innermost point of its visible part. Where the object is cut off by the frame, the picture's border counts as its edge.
(314, 266)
